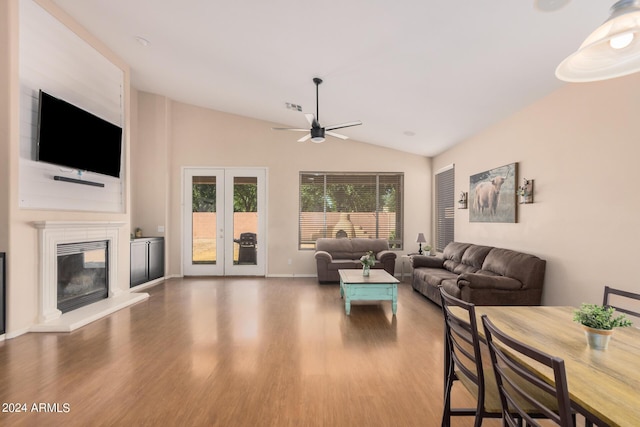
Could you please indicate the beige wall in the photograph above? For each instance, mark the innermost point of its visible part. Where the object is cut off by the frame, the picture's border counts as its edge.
(8, 110)
(149, 155)
(581, 146)
(22, 242)
(200, 137)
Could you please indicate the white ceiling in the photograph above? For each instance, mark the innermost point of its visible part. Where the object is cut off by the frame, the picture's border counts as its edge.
(422, 75)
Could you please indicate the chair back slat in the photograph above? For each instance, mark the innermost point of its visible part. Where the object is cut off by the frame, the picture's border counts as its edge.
(622, 297)
(517, 383)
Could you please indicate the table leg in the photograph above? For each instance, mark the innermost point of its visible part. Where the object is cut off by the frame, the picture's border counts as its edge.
(347, 300)
(394, 300)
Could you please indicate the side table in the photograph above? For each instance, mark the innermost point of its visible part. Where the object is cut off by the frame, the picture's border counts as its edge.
(403, 260)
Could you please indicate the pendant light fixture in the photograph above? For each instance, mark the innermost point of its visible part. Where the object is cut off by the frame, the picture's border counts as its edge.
(612, 50)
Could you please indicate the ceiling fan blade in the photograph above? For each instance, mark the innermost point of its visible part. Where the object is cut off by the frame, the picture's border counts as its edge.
(343, 125)
(336, 135)
(304, 138)
(310, 118)
(293, 129)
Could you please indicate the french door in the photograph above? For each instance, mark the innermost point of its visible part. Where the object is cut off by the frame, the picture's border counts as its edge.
(224, 221)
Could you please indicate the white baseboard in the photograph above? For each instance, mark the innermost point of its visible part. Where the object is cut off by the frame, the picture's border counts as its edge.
(148, 284)
(292, 275)
(14, 334)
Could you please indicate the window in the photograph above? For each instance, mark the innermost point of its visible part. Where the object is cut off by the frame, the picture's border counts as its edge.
(445, 183)
(350, 204)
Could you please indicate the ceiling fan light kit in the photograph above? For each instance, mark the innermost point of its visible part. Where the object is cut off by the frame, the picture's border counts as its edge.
(317, 135)
(550, 5)
(612, 50)
(317, 132)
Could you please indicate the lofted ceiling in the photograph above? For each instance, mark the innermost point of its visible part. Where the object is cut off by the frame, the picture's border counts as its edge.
(422, 75)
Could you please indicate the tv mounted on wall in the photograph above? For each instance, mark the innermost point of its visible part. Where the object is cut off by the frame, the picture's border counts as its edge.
(71, 137)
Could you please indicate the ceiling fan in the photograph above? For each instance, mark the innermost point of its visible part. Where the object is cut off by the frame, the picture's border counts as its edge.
(317, 132)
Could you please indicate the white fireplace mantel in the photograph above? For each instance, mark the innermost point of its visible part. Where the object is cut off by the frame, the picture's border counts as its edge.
(50, 235)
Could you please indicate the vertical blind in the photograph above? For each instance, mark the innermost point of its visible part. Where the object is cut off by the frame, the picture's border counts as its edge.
(350, 204)
(445, 188)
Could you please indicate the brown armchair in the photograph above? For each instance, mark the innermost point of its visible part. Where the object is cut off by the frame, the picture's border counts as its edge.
(335, 254)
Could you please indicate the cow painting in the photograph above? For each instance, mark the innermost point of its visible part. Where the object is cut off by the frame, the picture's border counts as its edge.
(493, 195)
(486, 197)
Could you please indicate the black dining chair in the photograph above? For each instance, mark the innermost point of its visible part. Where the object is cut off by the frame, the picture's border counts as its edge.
(463, 363)
(467, 362)
(620, 296)
(518, 385)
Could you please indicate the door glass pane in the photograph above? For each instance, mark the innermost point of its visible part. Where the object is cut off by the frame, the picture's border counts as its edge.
(245, 220)
(204, 228)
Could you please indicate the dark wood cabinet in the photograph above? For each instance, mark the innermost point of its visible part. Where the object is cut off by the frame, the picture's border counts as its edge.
(147, 260)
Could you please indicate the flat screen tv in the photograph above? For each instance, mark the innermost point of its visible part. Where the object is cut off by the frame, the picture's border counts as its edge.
(72, 137)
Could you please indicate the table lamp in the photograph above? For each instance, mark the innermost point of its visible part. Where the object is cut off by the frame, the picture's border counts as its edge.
(420, 239)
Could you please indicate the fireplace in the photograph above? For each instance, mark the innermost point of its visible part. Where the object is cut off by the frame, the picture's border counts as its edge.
(92, 247)
(83, 274)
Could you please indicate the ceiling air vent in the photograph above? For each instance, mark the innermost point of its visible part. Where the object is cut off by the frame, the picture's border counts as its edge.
(294, 107)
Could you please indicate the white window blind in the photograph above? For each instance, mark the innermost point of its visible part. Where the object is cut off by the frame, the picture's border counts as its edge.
(445, 188)
(350, 204)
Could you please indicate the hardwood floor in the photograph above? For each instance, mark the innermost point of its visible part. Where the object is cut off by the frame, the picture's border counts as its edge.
(236, 352)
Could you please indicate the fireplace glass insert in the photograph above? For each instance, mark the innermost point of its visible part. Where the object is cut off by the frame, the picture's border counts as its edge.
(82, 274)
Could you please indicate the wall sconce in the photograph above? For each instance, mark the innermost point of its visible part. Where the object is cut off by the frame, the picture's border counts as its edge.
(526, 191)
(462, 200)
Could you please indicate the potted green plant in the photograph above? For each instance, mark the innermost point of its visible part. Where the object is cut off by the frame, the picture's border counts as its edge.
(598, 322)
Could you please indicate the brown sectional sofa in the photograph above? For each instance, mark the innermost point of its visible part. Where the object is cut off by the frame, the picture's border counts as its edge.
(334, 254)
(482, 275)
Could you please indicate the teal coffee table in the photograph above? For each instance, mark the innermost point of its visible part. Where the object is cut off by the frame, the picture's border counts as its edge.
(378, 286)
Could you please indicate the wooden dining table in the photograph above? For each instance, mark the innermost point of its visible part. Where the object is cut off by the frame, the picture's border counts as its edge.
(604, 385)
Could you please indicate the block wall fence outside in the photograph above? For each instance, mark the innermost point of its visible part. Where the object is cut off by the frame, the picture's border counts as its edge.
(243, 222)
(363, 223)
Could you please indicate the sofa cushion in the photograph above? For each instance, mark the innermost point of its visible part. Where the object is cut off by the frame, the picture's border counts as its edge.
(453, 253)
(455, 250)
(337, 264)
(474, 255)
(528, 269)
(338, 248)
(434, 276)
(464, 268)
(361, 246)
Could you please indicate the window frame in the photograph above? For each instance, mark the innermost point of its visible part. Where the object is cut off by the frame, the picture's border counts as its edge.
(445, 180)
(309, 243)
